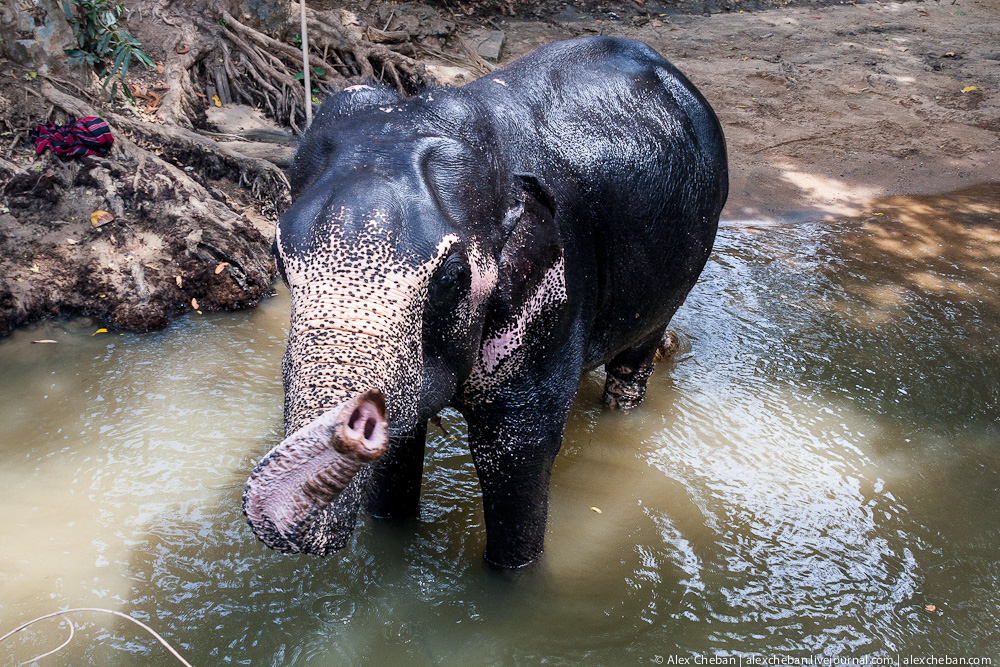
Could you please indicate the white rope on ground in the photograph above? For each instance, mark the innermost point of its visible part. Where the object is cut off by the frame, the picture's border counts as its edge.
(305, 65)
(103, 611)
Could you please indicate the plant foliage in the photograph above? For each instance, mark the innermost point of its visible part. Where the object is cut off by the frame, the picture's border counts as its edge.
(100, 38)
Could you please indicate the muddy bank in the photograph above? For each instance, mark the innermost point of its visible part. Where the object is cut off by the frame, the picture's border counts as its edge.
(824, 109)
(153, 261)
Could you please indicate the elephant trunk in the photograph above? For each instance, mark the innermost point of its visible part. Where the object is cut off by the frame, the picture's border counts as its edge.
(352, 373)
(308, 470)
(348, 336)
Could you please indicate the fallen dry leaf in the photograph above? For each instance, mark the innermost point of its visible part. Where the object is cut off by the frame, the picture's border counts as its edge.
(194, 303)
(180, 281)
(969, 89)
(221, 267)
(216, 100)
(99, 331)
(931, 607)
(98, 218)
(596, 509)
(46, 340)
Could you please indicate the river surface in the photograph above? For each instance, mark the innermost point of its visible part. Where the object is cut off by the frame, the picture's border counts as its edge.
(815, 475)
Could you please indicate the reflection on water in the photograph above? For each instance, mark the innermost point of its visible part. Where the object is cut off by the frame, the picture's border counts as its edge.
(818, 466)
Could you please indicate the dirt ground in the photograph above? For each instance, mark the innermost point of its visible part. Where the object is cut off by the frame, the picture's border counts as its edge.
(825, 107)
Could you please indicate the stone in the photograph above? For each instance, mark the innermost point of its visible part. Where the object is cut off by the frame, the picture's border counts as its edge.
(492, 47)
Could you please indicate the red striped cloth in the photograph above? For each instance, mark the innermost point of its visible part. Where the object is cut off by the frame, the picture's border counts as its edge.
(86, 136)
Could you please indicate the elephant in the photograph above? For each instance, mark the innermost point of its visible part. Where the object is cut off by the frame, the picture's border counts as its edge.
(480, 247)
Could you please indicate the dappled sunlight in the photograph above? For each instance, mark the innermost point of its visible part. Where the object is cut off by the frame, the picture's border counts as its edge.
(814, 467)
(832, 196)
(923, 247)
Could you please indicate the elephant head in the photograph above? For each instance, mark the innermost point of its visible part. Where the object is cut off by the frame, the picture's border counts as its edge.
(391, 251)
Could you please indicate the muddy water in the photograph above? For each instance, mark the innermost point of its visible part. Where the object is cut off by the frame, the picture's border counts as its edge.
(818, 466)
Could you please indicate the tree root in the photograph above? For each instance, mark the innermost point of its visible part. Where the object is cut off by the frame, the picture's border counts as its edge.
(11, 168)
(171, 233)
(264, 178)
(181, 236)
(175, 105)
(262, 70)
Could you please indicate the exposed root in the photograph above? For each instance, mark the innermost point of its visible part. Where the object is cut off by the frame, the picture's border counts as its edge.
(262, 70)
(263, 178)
(177, 213)
(175, 105)
(11, 168)
(172, 230)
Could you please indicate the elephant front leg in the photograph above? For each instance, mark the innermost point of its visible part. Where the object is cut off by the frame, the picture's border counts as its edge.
(513, 453)
(394, 489)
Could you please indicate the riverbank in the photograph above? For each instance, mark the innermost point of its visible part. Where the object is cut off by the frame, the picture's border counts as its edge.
(827, 108)
(824, 107)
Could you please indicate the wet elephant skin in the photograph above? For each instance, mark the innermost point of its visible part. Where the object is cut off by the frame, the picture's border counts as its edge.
(482, 247)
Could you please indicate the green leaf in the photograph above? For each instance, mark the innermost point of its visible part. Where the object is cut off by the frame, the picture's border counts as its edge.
(128, 60)
(102, 46)
(298, 76)
(122, 53)
(144, 59)
(318, 71)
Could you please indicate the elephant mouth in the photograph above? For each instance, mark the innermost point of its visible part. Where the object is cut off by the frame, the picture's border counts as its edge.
(297, 481)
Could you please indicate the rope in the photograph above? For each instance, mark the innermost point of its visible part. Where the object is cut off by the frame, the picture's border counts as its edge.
(104, 611)
(72, 632)
(305, 65)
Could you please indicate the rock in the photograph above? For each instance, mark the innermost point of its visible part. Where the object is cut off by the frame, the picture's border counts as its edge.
(492, 48)
(33, 33)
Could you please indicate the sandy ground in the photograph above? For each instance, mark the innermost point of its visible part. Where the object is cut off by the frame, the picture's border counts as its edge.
(826, 108)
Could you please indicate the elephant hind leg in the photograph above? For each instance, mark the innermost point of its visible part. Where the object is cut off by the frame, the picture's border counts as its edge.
(627, 373)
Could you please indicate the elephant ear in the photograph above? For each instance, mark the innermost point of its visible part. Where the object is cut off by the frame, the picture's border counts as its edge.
(531, 280)
(530, 227)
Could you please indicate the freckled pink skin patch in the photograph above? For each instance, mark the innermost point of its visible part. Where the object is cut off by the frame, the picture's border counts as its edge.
(551, 292)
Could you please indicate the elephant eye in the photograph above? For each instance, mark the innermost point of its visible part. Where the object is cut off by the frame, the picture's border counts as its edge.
(453, 273)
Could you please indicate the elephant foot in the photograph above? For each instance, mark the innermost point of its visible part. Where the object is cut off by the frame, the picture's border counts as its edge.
(625, 387)
(627, 374)
(670, 344)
